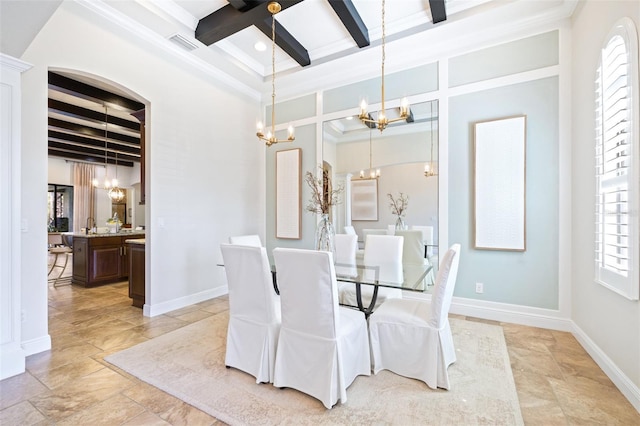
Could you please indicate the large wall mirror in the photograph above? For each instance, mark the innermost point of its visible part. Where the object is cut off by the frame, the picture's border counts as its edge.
(402, 158)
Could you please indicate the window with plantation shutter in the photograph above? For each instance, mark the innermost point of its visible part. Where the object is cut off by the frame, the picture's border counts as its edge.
(617, 164)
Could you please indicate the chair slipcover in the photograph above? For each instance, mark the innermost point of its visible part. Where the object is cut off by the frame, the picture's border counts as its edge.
(412, 337)
(322, 346)
(346, 247)
(246, 240)
(349, 230)
(254, 311)
(413, 252)
(391, 230)
(385, 252)
(427, 237)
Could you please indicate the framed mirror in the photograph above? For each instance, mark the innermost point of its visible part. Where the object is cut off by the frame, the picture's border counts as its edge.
(401, 159)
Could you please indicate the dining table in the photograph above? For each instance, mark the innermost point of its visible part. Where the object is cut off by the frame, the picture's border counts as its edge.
(413, 279)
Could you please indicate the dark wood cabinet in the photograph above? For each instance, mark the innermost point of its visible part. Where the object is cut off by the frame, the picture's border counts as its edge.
(136, 273)
(100, 259)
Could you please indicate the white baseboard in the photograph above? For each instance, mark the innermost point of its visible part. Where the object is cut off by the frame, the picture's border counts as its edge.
(35, 346)
(149, 310)
(622, 382)
(12, 360)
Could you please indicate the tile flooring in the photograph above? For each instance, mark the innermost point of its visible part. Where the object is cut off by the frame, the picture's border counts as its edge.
(557, 382)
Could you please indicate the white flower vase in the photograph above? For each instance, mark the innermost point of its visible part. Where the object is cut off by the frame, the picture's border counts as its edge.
(324, 235)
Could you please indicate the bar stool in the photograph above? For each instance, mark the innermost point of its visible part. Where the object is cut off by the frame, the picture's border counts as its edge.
(58, 279)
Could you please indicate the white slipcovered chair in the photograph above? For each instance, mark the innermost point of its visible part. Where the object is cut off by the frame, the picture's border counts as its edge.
(412, 337)
(427, 237)
(246, 240)
(413, 252)
(254, 311)
(346, 247)
(349, 230)
(385, 253)
(322, 346)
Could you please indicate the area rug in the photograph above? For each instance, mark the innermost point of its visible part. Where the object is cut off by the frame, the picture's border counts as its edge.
(188, 363)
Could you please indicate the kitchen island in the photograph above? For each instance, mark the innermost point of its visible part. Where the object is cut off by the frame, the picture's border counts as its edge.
(101, 258)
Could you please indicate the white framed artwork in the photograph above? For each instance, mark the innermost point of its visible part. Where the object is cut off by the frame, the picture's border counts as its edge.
(364, 199)
(499, 184)
(288, 194)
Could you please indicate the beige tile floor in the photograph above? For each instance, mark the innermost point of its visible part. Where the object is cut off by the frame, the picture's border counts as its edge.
(557, 382)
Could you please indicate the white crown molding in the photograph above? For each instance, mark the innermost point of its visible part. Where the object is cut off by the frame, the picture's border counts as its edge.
(13, 63)
(171, 10)
(128, 24)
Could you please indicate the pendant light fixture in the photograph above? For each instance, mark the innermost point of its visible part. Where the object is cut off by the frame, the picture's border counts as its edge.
(382, 121)
(429, 169)
(116, 193)
(270, 138)
(373, 174)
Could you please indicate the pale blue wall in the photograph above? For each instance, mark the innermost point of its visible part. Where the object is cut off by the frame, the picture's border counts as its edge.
(527, 278)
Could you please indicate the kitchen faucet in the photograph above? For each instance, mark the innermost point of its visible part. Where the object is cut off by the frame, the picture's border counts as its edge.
(91, 223)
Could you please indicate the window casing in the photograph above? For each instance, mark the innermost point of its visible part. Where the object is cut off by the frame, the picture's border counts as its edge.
(617, 167)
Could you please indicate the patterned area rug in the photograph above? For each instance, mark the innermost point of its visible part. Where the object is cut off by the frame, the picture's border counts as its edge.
(189, 363)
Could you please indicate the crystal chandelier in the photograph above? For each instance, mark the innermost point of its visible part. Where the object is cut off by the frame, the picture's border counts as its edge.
(116, 193)
(373, 174)
(382, 121)
(270, 138)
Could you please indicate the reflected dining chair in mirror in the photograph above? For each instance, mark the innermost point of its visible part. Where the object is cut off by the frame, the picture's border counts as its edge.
(246, 240)
(254, 311)
(349, 230)
(412, 337)
(346, 247)
(383, 253)
(413, 252)
(322, 347)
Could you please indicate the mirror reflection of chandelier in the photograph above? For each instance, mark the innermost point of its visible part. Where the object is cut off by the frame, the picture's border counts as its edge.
(373, 174)
(270, 138)
(381, 122)
(116, 193)
(429, 169)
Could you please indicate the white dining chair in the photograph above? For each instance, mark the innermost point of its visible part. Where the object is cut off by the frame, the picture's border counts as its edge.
(413, 252)
(350, 230)
(427, 237)
(254, 311)
(246, 240)
(322, 347)
(346, 247)
(412, 337)
(391, 230)
(382, 261)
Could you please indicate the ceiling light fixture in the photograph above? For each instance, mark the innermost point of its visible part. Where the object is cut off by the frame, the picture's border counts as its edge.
(111, 186)
(429, 169)
(260, 46)
(270, 137)
(382, 121)
(373, 174)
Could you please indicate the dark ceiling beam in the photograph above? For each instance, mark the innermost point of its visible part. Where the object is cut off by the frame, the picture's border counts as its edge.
(91, 131)
(74, 111)
(286, 42)
(228, 20)
(85, 156)
(438, 11)
(91, 143)
(72, 87)
(351, 20)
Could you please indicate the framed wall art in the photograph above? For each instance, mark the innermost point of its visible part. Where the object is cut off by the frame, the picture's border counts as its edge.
(499, 194)
(288, 194)
(364, 199)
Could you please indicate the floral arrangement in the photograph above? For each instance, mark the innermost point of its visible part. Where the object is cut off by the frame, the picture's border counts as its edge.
(398, 205)
(323, 196)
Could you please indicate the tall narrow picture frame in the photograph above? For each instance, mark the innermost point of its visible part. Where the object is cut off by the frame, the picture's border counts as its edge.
(288, 194)
(364, 199)
(499, 184)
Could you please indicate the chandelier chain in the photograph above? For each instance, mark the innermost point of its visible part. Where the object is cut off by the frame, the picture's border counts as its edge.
(383, 51)
(273, 73)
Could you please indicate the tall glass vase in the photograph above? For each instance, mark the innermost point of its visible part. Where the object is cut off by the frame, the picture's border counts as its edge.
(325, 234)
(400, 225)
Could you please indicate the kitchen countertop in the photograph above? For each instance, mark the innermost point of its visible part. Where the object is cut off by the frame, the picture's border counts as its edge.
(135, 241)
(118, 234)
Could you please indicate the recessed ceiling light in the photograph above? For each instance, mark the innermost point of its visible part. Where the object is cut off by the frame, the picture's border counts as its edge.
(260, 46)
(349, 117)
